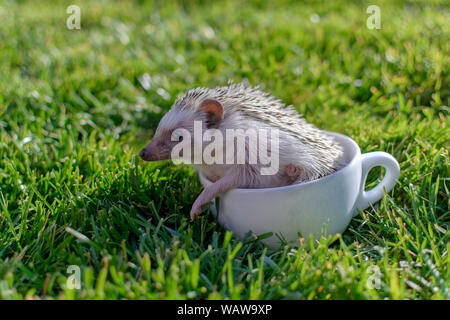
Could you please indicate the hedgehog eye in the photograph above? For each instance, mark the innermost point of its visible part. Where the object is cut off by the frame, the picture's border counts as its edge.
(177, 135)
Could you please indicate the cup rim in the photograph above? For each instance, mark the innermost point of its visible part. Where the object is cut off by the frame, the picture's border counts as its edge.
(303, 184)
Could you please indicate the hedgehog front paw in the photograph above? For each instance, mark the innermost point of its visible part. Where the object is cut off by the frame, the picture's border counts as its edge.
(195, 210)
(293, 172)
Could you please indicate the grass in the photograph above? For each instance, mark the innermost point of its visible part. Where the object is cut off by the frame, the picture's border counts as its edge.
(77, 106)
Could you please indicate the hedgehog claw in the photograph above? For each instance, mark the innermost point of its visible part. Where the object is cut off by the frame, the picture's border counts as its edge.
(195, 211)
(293, 172)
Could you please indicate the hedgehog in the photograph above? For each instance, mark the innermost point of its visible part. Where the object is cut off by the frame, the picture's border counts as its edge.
(302, 152)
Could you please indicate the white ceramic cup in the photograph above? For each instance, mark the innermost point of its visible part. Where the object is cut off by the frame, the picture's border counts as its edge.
(321, 207)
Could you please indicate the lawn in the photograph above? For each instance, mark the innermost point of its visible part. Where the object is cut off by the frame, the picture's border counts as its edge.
(76, 107)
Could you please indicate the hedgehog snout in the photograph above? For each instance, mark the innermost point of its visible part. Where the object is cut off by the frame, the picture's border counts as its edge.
(142, 154)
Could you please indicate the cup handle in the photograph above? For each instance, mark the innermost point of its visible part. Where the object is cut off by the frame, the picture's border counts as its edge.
(369, 161)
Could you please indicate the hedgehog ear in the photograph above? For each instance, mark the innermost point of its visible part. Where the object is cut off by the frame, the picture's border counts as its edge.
(213, 110)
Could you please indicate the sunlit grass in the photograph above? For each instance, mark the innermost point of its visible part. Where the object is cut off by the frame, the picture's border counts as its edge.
(77, 106)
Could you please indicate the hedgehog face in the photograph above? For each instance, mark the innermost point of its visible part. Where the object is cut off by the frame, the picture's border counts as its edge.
(178, 124)
(160, 147)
